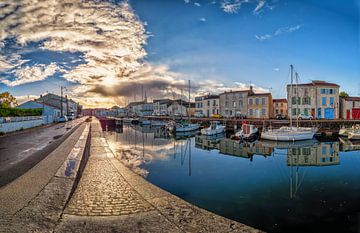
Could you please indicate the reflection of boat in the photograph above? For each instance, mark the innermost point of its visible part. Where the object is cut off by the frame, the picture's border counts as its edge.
(127, 120)
(245, 150)
(144, 121)
(158, 123)
(215, 128)
(185, 127)
(185, 134)
(290, 133)
(206, 142)
(286, 145)
(248, 132)
(347, 145)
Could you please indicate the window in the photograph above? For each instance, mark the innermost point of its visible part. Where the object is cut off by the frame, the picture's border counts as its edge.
(240, 103)
(331, 91)
(319, 112)
(257, 101)
(214, 102)
(263, 100)
(323, 101)
(250, 112)
(294, 111)
(322, 91)
(208, 103)
(293, 100)
(263, 112)
(234, 104)
(331, 101)
(250, 101)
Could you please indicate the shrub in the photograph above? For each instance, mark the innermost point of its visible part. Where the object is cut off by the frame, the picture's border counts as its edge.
(16, 112)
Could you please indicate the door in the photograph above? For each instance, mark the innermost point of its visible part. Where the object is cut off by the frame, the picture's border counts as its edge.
(348, 114)
(356, 113)
(329, 113)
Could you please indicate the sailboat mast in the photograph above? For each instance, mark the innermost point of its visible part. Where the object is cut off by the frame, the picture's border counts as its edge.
(297, 99)
(181, 104)
(188, 112)
(291, 93)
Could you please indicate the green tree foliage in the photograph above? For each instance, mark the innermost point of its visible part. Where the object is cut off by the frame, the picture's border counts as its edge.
(343, 94)
(7, 100)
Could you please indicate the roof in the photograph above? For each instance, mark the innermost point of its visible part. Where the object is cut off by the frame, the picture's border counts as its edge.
(351, 98)
(161, 100)
(240, 91)
(280, 100)
(260, 94)
(317, 83)
(207, 97)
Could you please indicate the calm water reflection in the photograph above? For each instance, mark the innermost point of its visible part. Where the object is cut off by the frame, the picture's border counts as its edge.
(308, 186)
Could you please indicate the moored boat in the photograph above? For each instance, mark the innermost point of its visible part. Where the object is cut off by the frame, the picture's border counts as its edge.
(248, 132)
(215, 128)
(289, 134)
(354, 135)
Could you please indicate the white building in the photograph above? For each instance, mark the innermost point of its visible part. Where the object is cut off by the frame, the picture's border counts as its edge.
(51, 113)
(207, 105)
(160, 107)
(141, 108)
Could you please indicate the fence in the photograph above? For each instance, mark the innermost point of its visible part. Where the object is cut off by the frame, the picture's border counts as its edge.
(11, 124)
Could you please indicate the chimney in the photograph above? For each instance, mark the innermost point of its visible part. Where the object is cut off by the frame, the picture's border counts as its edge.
(251, 89)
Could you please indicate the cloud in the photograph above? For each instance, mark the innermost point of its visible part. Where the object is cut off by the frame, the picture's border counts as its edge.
(187, 1)
(278, 32)
(202, 20)
(231, 7)
(276, 69)
(259, 6)
(197, 4)
(33, 74)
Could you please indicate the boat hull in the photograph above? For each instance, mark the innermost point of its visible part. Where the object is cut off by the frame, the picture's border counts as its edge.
(212, 131)
(288, 136)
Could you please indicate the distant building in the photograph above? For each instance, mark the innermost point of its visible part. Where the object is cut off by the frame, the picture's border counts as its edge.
(51, 113)
(140, 108)
(207, 105)
(280, 106)
(181, 108)
(234, 103)
(260, 106)
(68, 105)
(160, 107)
(350, 108)
(319, 99)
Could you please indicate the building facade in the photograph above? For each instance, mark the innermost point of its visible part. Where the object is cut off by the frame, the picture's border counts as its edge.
(280, 106)
(160, 107)
(350, 108)
(207, 105)
(234, 103)
(50, 113)
(319, 99)
(180, 108)
(260, 106)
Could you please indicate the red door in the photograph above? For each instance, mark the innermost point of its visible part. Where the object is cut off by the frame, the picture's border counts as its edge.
(356, 113)
(348, 114)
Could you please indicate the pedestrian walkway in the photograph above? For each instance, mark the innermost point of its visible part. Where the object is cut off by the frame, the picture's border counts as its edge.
(111, 198)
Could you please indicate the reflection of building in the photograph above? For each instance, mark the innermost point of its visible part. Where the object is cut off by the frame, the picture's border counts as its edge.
(207, 143)
(233, 147)
(347, 145)
(320, 154)
(207, 105)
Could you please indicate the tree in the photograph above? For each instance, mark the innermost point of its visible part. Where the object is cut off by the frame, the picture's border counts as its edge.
(343, 94)
(7, 100)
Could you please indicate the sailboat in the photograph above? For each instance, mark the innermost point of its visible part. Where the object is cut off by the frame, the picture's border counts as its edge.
(292, 133)
(185, 126)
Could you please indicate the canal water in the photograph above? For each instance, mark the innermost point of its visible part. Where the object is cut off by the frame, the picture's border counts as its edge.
(308, 186)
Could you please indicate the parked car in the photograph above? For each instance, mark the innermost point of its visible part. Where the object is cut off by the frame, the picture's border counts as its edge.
(280, 117)
(305, 117)
(63, 119)
(216, 116)
(71, 117)
(199, 114)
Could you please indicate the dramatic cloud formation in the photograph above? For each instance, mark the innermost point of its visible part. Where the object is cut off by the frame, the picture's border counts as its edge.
(278, 32)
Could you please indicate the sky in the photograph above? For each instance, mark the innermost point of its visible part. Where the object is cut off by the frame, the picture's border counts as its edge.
(110, 52)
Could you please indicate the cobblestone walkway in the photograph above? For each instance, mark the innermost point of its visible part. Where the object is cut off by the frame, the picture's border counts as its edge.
(102, 191)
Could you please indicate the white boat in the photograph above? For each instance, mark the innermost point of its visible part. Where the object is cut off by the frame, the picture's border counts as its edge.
(344, 132)
(247, 132)
(215, 128)
(354, 135)
(290, 133)
(185, 127)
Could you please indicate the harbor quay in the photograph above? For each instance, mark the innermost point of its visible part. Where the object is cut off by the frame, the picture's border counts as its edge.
(82, 187)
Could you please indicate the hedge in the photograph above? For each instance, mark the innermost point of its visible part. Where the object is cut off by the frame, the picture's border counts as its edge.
(16, 112)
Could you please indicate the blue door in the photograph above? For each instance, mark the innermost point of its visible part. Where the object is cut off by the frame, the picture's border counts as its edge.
(329, 113)
(319, 113)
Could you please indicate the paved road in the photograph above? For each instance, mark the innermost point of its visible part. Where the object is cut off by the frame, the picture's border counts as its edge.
(21, 151)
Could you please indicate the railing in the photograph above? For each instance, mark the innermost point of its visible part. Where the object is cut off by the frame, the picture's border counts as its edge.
(19, 119)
